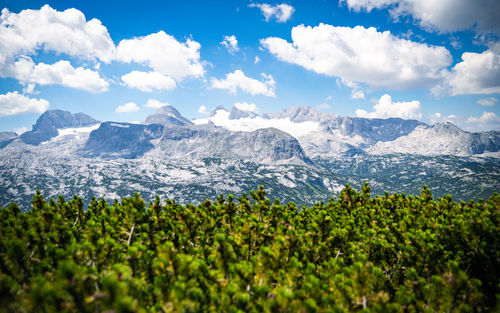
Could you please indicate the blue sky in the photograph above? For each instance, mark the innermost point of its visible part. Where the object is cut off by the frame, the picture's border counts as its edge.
(120, 60)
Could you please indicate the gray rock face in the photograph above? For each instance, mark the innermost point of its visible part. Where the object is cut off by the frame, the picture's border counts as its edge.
(167, 115)
(447, 129)
(236, 114)
(47, 124)
(441, 139)
(483, 142)
(263, 145)
(470, 142)
(217, 108)
(123, 140)
(301, 114)
(113, 140)
(6, 138)
(373, 129)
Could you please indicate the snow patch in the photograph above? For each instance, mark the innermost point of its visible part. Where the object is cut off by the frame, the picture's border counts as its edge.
(119, 125)
(247, 124)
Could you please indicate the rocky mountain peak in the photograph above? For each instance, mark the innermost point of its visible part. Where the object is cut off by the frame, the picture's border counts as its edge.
(49, 122)
(448, 129)
(236, 114)
(217, 108)
(167, 115)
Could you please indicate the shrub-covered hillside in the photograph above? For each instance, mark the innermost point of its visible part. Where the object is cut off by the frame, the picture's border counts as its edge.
(391, 253)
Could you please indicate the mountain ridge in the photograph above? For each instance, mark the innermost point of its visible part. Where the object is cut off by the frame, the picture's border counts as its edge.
(334, 136)
(47, 125)
(194, 162)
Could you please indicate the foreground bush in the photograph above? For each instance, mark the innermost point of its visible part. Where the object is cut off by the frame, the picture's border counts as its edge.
(393, 253)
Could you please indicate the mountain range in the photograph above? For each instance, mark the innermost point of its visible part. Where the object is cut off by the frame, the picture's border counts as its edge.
(299, 154)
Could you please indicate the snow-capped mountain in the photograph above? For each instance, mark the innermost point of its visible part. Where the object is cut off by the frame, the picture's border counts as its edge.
(48, 123)
(115, 140)
(167, 115)
(326, 135)
(441, 139)
(299, 154)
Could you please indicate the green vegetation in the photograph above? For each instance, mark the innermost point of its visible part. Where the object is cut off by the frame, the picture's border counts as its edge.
(391, 253)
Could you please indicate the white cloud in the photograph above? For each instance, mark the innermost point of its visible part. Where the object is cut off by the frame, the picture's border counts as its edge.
(442, 16)
(147, 81)
(238, 80)
(386, 108)
(282, 12)
(231, 43)
(59, 73)
(477, 73)
(323, 106)
(487, 121)
(63, 32)
(164, 54)
(30, 32)
(29, 89)
(51, 30)
(155, 104)
(245, 106)
(13, 103)
(127, 107)
(357, 92)
(488, 102)
(362, 55)
(439, 118)
(257, 60)
(203, 110)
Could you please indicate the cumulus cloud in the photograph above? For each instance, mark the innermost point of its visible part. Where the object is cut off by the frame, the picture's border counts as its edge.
(24, 35)
(13, 103)
(231, 43)
(477, 73)
(282, 12)
(386, 108)
(29, 89)
(60, 31)
(238, 80)
(440, 118)
(164, 54)
(257, 60)
(59, 73)
(147, 81)
(155, 104)
(487, 121)
(203, 110)
(67, 32)
(487, 102)
(127, 107)
(245, 106)
(362, 55)
(442, 16)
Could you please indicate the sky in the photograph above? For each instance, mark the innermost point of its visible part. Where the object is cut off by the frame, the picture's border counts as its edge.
(434, 61)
